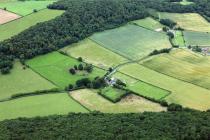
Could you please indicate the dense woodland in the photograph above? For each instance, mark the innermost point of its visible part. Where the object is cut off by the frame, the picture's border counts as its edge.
(181, 125)
(82, 19)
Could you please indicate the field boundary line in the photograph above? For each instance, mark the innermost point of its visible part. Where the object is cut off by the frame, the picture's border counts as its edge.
(77, 100)
(43, 77)
(80, 62)
(31, 95)
(176, 78)
(145, 82)
(132, 23)
(21, 16)
(12, 12)
(109, 49)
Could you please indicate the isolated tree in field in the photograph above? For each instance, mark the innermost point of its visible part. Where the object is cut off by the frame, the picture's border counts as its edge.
(34, 10)
(80, 59)
(80, 67)
(72, 71)
(70, 86)
(75, 67)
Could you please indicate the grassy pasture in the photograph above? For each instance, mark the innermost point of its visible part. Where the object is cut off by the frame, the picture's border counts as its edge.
(7, 16)
(131, 103)
(22, 81)
(179, 39)
(126, 79)
(40, 105)
(174, 65)
(112, 94)
(147, 90)
(149, 23)
(55, 67)
(132, 42)
(197, 38)
(188, 21)
(93, 53)
(186, 2)
(25, 7)
(183, 93)
(13, 28)
(141, 88)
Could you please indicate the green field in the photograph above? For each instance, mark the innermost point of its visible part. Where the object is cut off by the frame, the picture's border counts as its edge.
(112, 94)
(183, 93)
(40, 105)
(22, 81)
(94, 54)
(25, 7)
(175, 65)
(179, 39)
(188, 21)
(126, 79)
(55, 67)
(149, 23)
(147, 90)
(130, 103)
(132, 42)
(186, 2)
(141, 88)
(13, 28)
(197, 38)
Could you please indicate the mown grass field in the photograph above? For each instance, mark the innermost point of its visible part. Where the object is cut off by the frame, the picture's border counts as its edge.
(188, 21)
(93, 53)
(179, 39)
(147, 90)
(55, 67)
(183, 93)
(141, 88)
(197, 38)
(130, 103)
(112, 94)
(132, 42)
(175, 65)
(149, 23)
(13, 28)
(22, 81)
(125, 78)
(40, 105)
(25, 7)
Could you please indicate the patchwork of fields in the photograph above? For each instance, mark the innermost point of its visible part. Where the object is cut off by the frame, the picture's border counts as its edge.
(25, 7)
(13, 28)
(176, 64)
(188, 21)
(131, 103)
(93, 53)
(55, 67)
(142, 88)
(40, 105)
(132, 42)
(180, 76)
(183, 93)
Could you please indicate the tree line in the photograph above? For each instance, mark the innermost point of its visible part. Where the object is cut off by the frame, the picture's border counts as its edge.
(177, 125)
(82, 19)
